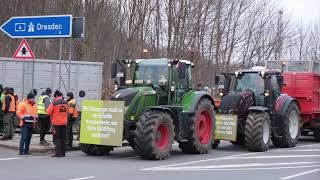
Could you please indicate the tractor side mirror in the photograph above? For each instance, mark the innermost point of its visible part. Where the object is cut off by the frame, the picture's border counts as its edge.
(216, 80)
(113, 70)
(182, 70)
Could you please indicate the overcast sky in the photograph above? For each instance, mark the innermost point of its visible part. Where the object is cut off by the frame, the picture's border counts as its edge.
(307, 11)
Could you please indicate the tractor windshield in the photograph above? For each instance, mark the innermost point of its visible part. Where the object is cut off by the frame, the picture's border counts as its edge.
(250, 81)
(151, 71)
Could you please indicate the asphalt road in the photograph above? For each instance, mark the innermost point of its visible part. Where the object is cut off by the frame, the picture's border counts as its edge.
(226, 162)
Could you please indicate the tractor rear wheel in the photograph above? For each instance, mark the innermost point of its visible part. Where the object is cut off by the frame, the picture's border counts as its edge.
(201, 130)
(95, 150)
(289, 128)
(257, 131)
(154, 135)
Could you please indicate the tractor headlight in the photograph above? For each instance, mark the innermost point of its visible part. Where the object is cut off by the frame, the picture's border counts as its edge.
(263, 73)
(172, 88)
(116, 87)
(236, 73)
(267, 93)
(221, 94)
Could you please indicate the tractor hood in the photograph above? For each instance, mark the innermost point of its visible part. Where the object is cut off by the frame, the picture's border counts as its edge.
(237, 103)
(128, 94)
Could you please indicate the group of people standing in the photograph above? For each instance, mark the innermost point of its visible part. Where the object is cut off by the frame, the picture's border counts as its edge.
(59, 112)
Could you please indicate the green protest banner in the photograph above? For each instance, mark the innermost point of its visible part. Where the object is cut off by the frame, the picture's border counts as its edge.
(226, 127)
(102, 122)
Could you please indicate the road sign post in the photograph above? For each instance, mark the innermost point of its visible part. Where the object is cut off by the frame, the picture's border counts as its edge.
(56, 26)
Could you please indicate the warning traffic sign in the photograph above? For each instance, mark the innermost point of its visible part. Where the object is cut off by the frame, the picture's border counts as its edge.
(24, 51)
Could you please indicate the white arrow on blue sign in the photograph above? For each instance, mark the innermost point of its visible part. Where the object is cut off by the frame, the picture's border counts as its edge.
(56, 26)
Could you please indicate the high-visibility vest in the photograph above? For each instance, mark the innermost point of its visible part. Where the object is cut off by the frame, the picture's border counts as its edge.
(25, 109)
(41, 106)
(58, 110)
(12, 107)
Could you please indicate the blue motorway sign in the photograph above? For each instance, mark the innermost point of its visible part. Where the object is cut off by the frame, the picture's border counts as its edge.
(55, 26)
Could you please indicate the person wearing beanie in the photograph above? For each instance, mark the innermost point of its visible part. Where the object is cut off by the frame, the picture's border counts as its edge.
(72, 115)
(27, 113)
(58, 111)
(34, 91)
(9, 111)
(44, 120)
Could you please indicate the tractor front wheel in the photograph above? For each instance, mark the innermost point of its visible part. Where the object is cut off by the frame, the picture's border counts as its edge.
(95, 150)
(154, 135)
(201, 130)
(289, 128)
(257, 131)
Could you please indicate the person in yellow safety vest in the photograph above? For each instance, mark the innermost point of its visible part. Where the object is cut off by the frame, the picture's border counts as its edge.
(43, 104)
(27, 113)
(9, 112)
(72, 115)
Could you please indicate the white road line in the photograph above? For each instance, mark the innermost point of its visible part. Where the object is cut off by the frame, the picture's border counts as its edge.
(192, 162)
(300, 174)
(299, 150)
(89, 177)
(239, 169)
(275, 157)
(239, 165)
(8, 159)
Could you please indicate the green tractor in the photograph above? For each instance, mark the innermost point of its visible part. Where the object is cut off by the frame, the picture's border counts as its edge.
(160, 108)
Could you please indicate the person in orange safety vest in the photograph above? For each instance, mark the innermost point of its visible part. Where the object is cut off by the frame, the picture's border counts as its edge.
(58, 111)
(27, 113)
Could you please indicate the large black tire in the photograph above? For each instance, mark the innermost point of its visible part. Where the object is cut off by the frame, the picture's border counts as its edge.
(154, 135)
(95, 150)
(204, 118)
(316, 134)
(288, 137)
(258, 131)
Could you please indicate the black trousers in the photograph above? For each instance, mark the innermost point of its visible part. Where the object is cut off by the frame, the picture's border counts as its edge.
(60, 139)
(44, 126)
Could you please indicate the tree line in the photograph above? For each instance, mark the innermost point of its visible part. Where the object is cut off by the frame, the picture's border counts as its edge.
(218, 35)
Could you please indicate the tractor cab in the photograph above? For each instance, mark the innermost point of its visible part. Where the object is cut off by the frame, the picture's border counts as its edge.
(264, 85)
(169, 79)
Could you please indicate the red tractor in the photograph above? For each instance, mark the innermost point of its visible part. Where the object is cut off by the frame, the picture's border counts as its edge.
(263, 113)
(302, 81)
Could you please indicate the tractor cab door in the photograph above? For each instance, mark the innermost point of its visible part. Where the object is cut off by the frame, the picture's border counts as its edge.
(181, 81)
(274, 88)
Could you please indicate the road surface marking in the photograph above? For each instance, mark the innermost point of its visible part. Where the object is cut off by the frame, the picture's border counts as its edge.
(89, 177)
(8, 159)
(232, 169)
(299, 150)
(241, 165)
(300, 174)
(193, 162)
(275, 157)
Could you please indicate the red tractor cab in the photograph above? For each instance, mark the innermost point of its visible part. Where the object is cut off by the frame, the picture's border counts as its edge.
(301, 80)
